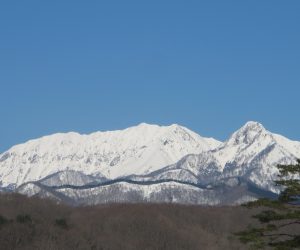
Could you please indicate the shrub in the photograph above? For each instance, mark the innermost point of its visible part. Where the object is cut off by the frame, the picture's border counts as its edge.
(62, 223)
(3, 220)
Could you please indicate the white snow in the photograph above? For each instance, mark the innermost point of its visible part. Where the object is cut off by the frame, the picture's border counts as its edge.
(145, 148)
(136, 150)
(252, 147)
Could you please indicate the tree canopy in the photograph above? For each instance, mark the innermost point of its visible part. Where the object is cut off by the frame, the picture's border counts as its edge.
(279, 220)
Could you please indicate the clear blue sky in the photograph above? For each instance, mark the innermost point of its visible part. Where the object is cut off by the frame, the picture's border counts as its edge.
(101, 65)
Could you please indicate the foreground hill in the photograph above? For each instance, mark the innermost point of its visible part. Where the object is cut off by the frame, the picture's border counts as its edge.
(31, 223)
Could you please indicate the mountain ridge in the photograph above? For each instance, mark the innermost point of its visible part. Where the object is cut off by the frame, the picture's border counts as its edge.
(138, 149)
(202, 170)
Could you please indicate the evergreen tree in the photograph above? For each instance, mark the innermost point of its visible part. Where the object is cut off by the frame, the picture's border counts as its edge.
(279, 220)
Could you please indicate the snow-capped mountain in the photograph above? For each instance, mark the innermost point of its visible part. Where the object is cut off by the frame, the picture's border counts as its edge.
(149, 163)
(136, 150)
(252, 152)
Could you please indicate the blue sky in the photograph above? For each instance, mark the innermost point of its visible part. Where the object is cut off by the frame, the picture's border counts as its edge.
(102, 65)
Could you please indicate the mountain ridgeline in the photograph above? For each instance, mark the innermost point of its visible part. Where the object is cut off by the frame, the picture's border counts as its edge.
(149, 163)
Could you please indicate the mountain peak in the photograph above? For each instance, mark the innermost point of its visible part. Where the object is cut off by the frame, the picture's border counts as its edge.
(248, 133)
(252, 125)
(144, 124)
(155, 128)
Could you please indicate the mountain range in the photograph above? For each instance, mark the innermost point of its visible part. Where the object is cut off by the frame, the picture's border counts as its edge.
(149, 163)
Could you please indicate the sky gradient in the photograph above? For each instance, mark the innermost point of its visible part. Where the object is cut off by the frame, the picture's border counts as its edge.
(102, 65)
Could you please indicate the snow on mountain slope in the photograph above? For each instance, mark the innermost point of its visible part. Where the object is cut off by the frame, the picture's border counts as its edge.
(122, 191)
(136, 150)
(70, 177)
(245, 145)
(200, 169)
(141, 163)
(251, 152)
(255, 151)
